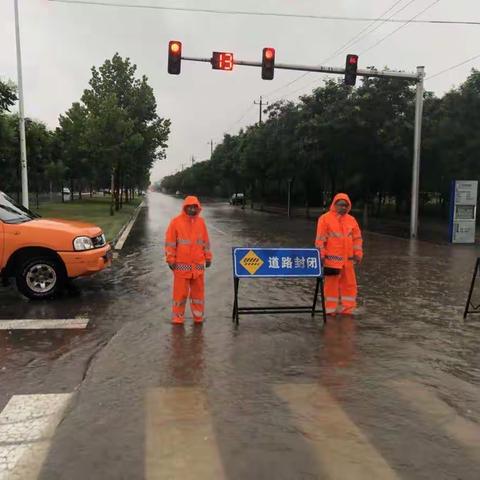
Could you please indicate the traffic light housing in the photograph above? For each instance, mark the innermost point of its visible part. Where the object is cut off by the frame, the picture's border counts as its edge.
(268, 63)
(351, 69)
(174, 57)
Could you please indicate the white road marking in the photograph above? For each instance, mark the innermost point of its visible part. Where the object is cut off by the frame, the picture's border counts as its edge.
(180, 441)
(343, 451)
(27, 425)
(217, 230)
(464, 431)
(44, 324)
(123, 237)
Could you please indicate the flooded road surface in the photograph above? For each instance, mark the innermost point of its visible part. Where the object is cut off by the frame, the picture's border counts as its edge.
(393, 393)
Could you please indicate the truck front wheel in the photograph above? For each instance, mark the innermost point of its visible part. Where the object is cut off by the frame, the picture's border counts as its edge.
(40, 277)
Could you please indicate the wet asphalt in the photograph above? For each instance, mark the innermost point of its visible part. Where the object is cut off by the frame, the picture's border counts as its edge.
(403, 375)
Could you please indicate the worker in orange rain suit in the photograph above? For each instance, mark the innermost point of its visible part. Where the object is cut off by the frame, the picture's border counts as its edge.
(339, 240)
(187, 250)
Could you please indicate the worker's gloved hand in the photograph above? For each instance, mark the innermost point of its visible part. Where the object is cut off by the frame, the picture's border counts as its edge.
(357, 260)
(208, 263)
(170, 266)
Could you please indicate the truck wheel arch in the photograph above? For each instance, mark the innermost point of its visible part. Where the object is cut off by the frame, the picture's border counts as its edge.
(21, 254)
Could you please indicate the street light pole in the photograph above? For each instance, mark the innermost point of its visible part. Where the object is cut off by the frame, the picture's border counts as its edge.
(416, 153)
(21, 113)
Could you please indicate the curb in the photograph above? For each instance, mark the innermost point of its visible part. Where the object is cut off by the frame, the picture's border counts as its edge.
(118, 242)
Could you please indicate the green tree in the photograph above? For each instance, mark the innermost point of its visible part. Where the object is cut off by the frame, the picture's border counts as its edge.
(8, 96)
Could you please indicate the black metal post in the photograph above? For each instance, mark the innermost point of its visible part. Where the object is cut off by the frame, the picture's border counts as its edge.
(315, 298)
(235, 318)
(472, 286)
(324, 310)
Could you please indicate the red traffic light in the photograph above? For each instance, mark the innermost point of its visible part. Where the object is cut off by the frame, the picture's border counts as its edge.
(353, 59)
(268, 63)
(174, 57)
(269, 53)
(351, 65)
(175, 47)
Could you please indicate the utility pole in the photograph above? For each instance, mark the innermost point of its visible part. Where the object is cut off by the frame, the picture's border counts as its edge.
(21, 113)
(193, 159)
(211, 148)
(261, 103)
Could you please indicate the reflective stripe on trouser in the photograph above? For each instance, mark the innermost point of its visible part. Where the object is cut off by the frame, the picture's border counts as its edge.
(341, 288)
(182, 289)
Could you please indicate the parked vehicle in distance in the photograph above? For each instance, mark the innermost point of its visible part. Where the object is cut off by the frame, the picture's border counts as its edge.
(41, 254)
(237, 199)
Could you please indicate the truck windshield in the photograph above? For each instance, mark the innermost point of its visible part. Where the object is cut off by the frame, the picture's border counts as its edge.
(12, 212)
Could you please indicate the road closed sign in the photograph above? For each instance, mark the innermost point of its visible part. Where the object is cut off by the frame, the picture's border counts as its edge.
(276, 262)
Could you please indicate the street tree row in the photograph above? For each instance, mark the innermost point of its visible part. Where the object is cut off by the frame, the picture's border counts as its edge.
(342, 139)
(112, 132)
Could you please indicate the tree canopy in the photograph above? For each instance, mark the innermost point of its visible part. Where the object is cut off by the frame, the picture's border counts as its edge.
(358, 140)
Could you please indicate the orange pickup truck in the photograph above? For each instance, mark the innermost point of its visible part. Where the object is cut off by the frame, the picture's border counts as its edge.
(43, 253)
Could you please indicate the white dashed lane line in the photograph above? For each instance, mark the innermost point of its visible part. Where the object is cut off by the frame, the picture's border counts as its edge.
(44, 324)
(221, 232)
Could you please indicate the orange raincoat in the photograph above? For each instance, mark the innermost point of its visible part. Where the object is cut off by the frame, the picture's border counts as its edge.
(187, 250)
(339, 240)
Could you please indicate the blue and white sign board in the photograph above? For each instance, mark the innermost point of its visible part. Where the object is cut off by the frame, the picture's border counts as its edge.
(276, 262)
(463, 211)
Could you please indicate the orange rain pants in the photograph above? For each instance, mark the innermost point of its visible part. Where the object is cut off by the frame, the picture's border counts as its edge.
(184, 288)
(341, 290)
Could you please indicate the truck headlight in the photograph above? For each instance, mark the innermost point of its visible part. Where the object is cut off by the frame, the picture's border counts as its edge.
(82, 243)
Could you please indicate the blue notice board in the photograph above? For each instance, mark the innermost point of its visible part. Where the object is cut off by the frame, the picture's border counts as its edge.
(276, 262)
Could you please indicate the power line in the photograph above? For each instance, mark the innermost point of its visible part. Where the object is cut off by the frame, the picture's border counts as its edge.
(261, 14)
(387, 36)
(390, 34)
(240, 119)
(352, 41)
(453, 67)
(357, 38)
(412, 20)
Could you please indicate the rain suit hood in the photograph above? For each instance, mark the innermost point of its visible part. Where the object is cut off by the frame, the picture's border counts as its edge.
(191, 200)
(341, 196)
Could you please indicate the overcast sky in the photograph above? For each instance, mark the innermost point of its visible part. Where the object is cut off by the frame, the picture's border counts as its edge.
(61, 42)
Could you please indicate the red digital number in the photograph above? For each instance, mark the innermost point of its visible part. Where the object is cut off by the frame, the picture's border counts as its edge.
(226, 61)
(222, 61)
